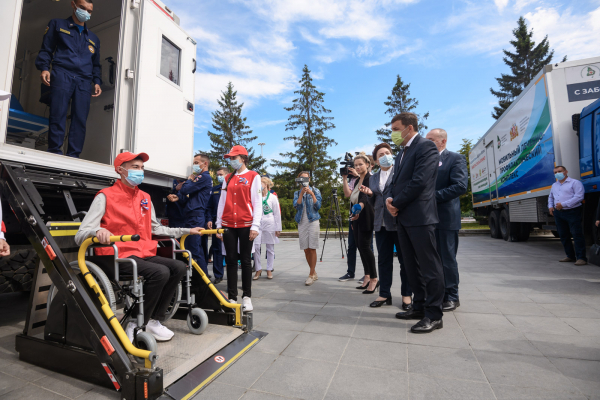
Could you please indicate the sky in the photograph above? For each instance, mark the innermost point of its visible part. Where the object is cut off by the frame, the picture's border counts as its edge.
(449, 51)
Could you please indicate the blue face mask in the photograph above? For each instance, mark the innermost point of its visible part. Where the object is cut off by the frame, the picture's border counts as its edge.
(196, 168)
(220, 178)
(82, 15)
(135, 176)
(386, 161)
(235, 164)
(559, 175)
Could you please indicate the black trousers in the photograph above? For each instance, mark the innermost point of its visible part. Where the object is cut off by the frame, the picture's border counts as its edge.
(161, 277)
(363, 240)
(423, 268)
(385, 262)
(230, 240)
(447, 245)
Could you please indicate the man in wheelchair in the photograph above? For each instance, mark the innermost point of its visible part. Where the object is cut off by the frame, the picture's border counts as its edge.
(124, 209)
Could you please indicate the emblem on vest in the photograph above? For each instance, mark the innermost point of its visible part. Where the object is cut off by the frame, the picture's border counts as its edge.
(144, 204)
(243, 181)
(91, 49)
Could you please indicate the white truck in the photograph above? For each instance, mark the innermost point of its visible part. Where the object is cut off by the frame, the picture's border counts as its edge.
(511, 166)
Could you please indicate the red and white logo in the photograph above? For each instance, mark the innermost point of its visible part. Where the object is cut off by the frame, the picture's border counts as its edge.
(220, 359)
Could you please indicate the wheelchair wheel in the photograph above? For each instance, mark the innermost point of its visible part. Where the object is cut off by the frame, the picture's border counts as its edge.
(145, 341)
(174, 303)
(99, 276)
(197, 321)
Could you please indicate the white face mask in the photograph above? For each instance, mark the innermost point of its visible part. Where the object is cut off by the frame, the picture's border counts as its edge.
(386, 160)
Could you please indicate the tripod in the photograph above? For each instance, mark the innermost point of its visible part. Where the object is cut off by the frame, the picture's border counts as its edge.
(336, 217)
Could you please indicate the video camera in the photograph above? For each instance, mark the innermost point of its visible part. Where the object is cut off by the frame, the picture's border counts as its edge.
(348, 162)
(302, 181)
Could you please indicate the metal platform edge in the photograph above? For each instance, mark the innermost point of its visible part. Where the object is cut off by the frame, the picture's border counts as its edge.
(198, 378)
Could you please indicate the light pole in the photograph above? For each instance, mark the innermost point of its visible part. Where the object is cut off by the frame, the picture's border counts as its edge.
(261, 149)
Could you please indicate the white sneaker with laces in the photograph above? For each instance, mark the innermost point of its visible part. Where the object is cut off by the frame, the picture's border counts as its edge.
(247, 304)
(160, 332)
(130, 330)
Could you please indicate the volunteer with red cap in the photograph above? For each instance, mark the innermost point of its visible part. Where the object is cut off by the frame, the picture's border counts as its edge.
(123, 209)
(240, 210)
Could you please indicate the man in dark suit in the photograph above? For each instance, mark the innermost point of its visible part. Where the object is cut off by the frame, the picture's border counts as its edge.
(452, 181)
(413, 202)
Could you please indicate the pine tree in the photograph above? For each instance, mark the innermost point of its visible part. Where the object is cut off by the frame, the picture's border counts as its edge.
(311, 143)
(466, 200)
(525, 63)
(400, 101)
(231, 130)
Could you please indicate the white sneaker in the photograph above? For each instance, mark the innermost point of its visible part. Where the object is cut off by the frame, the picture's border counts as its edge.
(247, 304)
(160, 332)
(130, 330)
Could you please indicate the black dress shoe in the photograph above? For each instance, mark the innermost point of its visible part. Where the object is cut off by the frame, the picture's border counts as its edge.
(450, 305)
(371, 291)
(407, 306)
(411, 314)
(363, 287)
(379, 303)
(426, 326)
(217, 281)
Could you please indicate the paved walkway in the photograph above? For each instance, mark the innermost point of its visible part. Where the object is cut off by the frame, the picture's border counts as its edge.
(528, 328)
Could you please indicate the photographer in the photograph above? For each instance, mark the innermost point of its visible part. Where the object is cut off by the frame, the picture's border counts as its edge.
(307, 202)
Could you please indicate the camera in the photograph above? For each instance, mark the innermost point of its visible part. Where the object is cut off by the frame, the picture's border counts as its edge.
(302, 181)
(348, 162)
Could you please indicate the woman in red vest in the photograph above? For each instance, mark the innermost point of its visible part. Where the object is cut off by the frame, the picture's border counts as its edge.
(240, 211)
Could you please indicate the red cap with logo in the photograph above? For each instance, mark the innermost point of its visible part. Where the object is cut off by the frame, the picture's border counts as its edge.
(127, 156)
(236, 151)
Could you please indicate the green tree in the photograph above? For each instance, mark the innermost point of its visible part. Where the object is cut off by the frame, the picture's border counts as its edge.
(525, 63)
(230, 130)
(466, 200)
(312, 120)
(399, 101)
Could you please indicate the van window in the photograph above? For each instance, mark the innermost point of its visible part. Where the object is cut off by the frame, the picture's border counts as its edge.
(585, 137)
(169, 61)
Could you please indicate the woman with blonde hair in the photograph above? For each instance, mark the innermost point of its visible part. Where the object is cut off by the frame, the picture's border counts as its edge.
(270, 228)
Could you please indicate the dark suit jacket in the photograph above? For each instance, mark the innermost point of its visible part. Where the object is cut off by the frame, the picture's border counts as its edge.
(365, 219)
(413, 187)
(378, 202)
(452, 181)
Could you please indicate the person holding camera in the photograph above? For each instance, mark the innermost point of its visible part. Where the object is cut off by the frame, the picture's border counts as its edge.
(307, 202)
(270, 228)
(362, 223)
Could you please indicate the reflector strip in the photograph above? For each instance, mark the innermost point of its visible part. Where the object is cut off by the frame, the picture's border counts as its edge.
(49, 249)
(111, 376)
(107, 346)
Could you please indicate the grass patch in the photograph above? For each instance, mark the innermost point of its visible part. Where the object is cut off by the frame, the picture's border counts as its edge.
(474, 225)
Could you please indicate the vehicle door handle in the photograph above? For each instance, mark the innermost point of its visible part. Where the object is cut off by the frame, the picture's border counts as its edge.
(194, 70)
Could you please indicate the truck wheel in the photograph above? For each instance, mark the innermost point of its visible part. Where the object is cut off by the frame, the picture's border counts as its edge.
(494, 224)
(504, 225)
(515, 231)
(525, 231)
(17, 270)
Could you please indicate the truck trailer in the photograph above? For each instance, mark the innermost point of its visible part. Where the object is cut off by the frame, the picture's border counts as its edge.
(549, 124)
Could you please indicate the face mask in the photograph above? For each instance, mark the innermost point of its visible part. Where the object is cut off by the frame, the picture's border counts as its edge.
(263, 188)
(397, 137)
(82, 15)
(386, 161)
(135, 177)
(220, 178)
(196, 168)
(235, 164)
(559, 175)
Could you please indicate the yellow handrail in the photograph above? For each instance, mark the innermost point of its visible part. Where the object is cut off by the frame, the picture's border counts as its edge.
(114, 322)
(224, 302)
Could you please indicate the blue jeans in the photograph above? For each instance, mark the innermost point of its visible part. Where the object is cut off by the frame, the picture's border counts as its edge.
(447, 246)
(386, 240)
(352, 251)
(568, 223)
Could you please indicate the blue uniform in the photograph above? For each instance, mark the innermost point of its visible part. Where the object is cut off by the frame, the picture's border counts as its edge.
(211, 215)
(75, 60)
(175, 209)
(197, 192)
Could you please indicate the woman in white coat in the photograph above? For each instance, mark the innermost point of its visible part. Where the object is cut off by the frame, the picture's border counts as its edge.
(270, 228)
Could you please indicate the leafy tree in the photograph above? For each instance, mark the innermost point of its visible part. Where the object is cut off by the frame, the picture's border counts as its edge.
(231, 130)
(311, 142)
(525, 62)
(399, 101)
(466, 200)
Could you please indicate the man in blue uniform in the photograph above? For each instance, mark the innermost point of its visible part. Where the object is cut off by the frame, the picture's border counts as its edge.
(175, 206)
(74, 53)
(197, 190)
(211, 212)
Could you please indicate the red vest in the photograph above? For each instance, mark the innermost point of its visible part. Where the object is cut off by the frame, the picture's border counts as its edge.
(238, 211)
(128, 212)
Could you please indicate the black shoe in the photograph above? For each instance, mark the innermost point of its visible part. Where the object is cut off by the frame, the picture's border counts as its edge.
(379, 303)
(363, 287)
(217, 281)
(426, 326)
(450, 305)
(371, 291)
(407, 307)
(411, 314)
(361, 280)
(345, 278)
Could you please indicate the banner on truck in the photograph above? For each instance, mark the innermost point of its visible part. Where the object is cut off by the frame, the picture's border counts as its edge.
(583, 82)
(523, 154)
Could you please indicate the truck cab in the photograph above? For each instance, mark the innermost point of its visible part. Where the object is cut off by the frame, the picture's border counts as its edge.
(587, 124)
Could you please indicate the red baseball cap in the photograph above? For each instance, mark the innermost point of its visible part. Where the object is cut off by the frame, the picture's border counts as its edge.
(236, 151)
(127, 156)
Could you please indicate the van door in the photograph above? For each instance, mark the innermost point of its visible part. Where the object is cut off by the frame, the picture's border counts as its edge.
(163, 124)
(491, 170)
(9, 33)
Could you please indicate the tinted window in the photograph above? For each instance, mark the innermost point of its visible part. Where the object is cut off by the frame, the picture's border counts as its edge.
(169, 61)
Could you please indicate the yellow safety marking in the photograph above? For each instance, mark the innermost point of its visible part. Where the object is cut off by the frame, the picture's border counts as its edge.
(65, 31)
(63, 233)
(65, 223)
(587, 173)
(217, 372)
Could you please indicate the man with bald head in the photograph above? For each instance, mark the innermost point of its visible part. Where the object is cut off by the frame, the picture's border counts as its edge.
(452, 181)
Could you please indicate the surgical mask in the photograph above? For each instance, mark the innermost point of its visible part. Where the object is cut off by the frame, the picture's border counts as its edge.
(196, 168)
(235, 164)
(82, 15)
(220, 178)
(397, 137)
(559, 175)
(386, 161)
(135, 176)
(263, 188)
